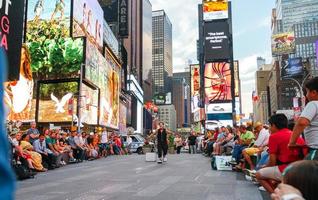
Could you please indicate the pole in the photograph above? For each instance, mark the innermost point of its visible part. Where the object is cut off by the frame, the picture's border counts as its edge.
(79, 100)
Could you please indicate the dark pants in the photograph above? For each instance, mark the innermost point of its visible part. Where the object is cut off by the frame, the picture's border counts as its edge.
(237, 152)
(209, 148)
(79, 154)
(49, 160)
(179, 149)
(162, 149)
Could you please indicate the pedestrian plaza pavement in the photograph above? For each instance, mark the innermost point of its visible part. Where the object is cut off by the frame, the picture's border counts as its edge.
(131, 178)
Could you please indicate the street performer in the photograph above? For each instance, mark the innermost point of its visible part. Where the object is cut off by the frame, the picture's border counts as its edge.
(162, 143)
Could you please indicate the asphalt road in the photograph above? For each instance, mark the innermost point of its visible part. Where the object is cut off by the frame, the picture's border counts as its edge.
(131, 178)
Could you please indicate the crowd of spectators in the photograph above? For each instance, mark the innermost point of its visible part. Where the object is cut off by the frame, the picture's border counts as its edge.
(50, 149)
(281, 157)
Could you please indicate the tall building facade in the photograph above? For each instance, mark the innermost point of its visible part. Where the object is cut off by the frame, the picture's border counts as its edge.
(161, 52)
(168, 115)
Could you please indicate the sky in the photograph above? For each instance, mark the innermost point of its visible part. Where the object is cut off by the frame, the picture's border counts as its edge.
(251, 37)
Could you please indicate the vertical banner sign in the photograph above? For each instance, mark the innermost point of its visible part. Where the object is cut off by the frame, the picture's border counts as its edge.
(317, 52)
(11, 31)
(123, 18)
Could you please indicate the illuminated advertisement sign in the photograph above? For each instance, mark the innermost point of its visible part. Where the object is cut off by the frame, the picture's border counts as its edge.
(123, 18)
(217, 82)
(236, 79)
(219, 108)
(94, 59)
(88, 20)
(215, 9)
(122, 119)
(11, 32)
(89, 105)
(283, 43)
(291, 68)
(317, 52)
(195, 80)
(217, 44)
(54, 101)
(110, 39)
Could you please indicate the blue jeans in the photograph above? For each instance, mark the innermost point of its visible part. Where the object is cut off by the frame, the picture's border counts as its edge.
(263, 161)
(237, 152)
(193, 149)
(7, 179)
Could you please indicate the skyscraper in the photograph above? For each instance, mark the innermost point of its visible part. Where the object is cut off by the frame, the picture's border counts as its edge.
(161, 52)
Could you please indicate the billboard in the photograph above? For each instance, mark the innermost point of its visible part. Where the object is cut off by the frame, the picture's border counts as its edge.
(89, 105)
(11, 32)
(219, 108)
(110, 39)
(291, 68)
(217, 82)
(217, 43)
(123, 18)
(88, 20)
(195, 80)
(236, 79)
(195, 101)
(122, 119)
(93, 60)
(317, 52)
(54, 101)
(283, 43)
(215, 9)
(18, 95)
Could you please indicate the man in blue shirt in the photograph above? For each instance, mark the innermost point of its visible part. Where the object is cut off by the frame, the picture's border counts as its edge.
(7, 180)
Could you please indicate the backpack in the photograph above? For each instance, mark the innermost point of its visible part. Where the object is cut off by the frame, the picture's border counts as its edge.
(22, 172)
(213, 163)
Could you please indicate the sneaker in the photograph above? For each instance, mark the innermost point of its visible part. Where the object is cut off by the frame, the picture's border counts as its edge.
(233, 162)
(261, 188)
(248, 178)
(159, 160)
(165, 159)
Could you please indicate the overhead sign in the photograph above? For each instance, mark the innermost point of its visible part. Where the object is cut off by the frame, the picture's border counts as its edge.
(217, 44)
(123, 18)
(215, 9)
(283, 43)
(291, 68)
(11, 32)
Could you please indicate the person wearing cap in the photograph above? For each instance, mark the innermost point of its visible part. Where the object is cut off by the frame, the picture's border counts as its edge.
(261, 142)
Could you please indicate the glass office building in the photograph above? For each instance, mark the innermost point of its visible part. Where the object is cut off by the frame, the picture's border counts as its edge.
(161, 52)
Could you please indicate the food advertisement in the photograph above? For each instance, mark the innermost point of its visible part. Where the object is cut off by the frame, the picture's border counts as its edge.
(283, 43)
(88, 18)
(54, 101)
(195, 80)
(217, 82)
(54, 54)
(89, 105)
(215, 9)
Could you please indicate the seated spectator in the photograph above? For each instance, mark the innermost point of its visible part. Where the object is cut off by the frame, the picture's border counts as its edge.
(243, 141)
(220, 139)
(48, 158)
(52, 146)
(80, 143)
(210, 142)
(65, 148)
(28, 149)
(284, 191)
(117, 145)
(303, 175)
(93, 150)
(33, 132)
(280, 156)
(78, 151)
(228, 142)
(261, 142)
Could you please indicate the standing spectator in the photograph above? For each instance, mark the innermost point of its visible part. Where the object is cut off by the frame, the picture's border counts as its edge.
(308, 121)
(104, 143)
(192, 140)
(178, 142)
(162, 143)
(261, 142)
(280, 156)
(48, 158)
(33, 132)
(243, 141)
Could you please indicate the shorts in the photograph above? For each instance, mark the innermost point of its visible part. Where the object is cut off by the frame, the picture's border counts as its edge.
(104, 146)
(271, 173)
(251, 151)
(312, 155)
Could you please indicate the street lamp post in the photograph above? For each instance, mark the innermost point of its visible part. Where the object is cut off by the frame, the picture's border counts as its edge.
(79, 99)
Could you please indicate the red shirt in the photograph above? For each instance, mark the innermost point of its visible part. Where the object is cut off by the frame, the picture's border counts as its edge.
(118, 142)
(278, 145)
(215, 136)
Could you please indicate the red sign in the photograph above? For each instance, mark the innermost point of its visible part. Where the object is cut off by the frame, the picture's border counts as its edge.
(70, 106)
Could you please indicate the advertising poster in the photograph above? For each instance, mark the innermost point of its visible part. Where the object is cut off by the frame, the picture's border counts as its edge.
(291, 68)
(54, 100)
(219, 108)
(11, 32)
(195, 80)
(88, 19)
(215, 9)
(89, 105)
(110, 39)
(94, 59)
(122, 119)
(19, 97)
(195, 103)
(283, 43)
(236, 79)
(54, 54)
(217, 82)
(217, 44)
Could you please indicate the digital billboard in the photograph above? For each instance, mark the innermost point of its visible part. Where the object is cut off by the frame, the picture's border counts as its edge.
(291, 68)
(88, 20)
(11, 32)
(19, 97)
(195, 80)
(215, 9)
(217, 82)
(54, 101)
(94, 59)
(236, 79)
(219, 108)
(217, 43)
(89, 105)
(122, 118)
(283, 43)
